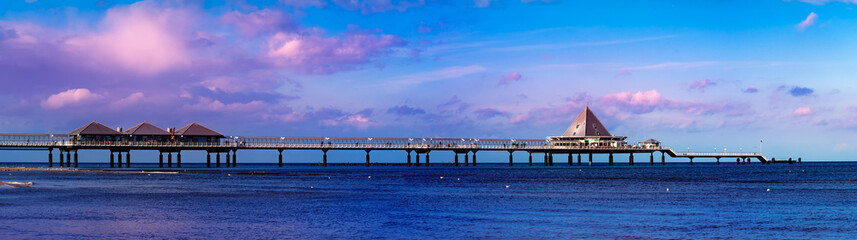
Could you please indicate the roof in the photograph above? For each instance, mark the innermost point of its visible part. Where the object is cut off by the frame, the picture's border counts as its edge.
(586, 124)
(651, 141)
(94, 128)
(196, 129)
(147, 129)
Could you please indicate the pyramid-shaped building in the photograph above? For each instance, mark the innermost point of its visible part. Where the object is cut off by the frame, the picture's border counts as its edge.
(587, 130)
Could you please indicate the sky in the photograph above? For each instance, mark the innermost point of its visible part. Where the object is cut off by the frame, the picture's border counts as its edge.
(697, 75)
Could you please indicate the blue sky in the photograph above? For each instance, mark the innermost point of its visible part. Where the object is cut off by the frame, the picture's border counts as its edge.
(693, 74)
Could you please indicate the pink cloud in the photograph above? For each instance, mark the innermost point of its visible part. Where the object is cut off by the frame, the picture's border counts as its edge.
(623, 73)
(547, 115)
(313, 54)
(515, 76)
(624, 104)
(639, 102)
(262, 21)
(214, 105)
(69, 98)
(808, 22)
(802, 111)
(141, 37)
(751, 90)
(376, 6)
(128, 101)
(702, 84)
(304, 3)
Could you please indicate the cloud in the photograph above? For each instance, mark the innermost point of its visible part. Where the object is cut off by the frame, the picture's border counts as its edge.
(800, 91)
(702, 84)
(751, 89)
(304, 3)
(624, 104)
(808, 22)
(438, 75)
(482, 3)
(521, 95)
(212, 105)
(821, 2)
(405, 110)
(515, 76)
(128, 101)
(547, 115)
(142, 37)
(376, 6)
(314, 54)
(7, 34)
(802, 111)
(262, 21)
(69, 98)
(486, 113)
(623, 73)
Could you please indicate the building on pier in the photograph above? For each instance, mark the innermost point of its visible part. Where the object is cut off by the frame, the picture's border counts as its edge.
(196, 132)
(650, 144)
(147, 132)
(587, 131)
(95, 132)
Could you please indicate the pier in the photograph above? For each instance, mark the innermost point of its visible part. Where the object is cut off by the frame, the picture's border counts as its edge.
(584, 138)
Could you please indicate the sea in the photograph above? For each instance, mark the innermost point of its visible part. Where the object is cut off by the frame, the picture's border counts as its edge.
(813, 200)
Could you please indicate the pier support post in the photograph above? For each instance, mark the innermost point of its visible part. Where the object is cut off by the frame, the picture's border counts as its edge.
(631, 159)
(128, 158)
(367, 157)
(738, 161)
(179, 159)
(409, 158)
(691, 160)
(51, 157)
(773, 161)
(652, 159)
(611, 160)
(61, 157)
(228, 164)
(217, 160)
(235, 158)
(510, 158)
(799, 161)
(466, 159)
(68, 156)
(169, 159)
(546, 159)
(550, 159)
(456, 159)
(570, 159)
(663, 159)
(578, 160)
(207, 159)
(531, 158)
(590, 159)
(718, 160)
(75, 159)
(427, 159)
(474, 158)
(111, 160)
(418, 159)
(747, 160)
(324, 158)
(119, 159)
(160, 159)
(280, 158)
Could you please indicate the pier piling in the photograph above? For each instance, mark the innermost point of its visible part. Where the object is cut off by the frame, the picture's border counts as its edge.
(578, 160)
(160, 159)
(409, 158)
(652, 159)
(367, 157)
(324, 160)
(208, 159)
(61, 157)
(217, 160)
(718, 160)
(127, 159)
(663, 159)
(456, 159)
(228, 164)
(590, 159)
(466, 159)
(691, 160)
(235, 158)
(418, 159)
(119, 159)
(531, 158)
(50, 157)
(631, 159)
(611, 159)
(570, 159)
(111, 159)
(68, 164)
(68, 157)
(280, 158)
(474, 158)
(169, 159)
(179, 159)
(427, 159)
(510, 158)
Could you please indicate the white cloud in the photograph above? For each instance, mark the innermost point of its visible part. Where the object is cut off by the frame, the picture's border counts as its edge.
(69, 97)
(808, 22)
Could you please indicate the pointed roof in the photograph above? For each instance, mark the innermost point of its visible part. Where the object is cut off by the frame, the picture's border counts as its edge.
(148, 129)
(585, 125)
(94, 128)
(196, 129)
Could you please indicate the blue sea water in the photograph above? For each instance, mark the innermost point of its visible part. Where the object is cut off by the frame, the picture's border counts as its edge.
(491, 201)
